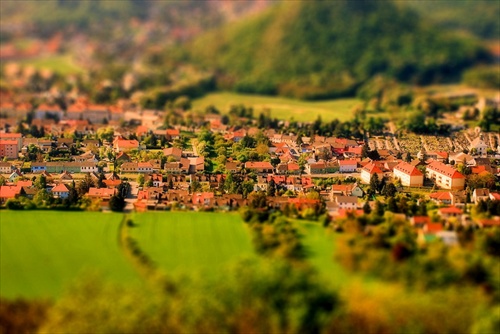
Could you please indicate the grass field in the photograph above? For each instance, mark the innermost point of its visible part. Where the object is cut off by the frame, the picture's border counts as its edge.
(282, 108)
(192, 241)
(62, 64)
(41, 252)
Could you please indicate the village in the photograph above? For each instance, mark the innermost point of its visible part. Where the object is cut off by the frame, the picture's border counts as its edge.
(216, 163)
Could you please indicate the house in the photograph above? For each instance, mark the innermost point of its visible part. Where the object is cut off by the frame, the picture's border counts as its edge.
(478, 146)
(174, 152)
(124, 145)
(177, 167)
(123, 157)
(449, 212)
(259, 167)
(157, 180)
(316, 167)
(409, 175)
(368, 171)
(445, 176)
(5, 168)
(492, 222)
(144, 167)
(196, 164)
(13, 136)
(346, 202)
(49, 111)
(420, 221)
(60, 191)
(351, 189)
(8, 149)
(172, 134)
(88, 167)
(103, 193)
(96, 113)
(203, 198)
(480, 194)
(129, 167)
(8, 192)
(232, 167)
(347, 166)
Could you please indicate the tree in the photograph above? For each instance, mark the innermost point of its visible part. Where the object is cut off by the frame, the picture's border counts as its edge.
(374, 183)
(117, 203)
(84, 185)
(366, 208)
(41, 182)
(140, 180)
(390, 190)
(271, 188)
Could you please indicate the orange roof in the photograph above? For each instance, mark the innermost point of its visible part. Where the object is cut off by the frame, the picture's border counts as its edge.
(408, 169)
(372, 169)
(127, 143)
(451, 210)
(10, 135)
(441, 196)
(27, 183)
(173, 132)
(48, 107)
(443, 169)
(348, 162)
(258, 164)
(101, 192)
(8, 142)
(433, 227)
(10, 191)
(60, 188)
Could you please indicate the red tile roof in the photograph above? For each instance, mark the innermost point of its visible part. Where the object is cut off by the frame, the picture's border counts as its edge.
(60, 188)
(348, 162)
(451, 210)
(372, 169)
(443, 169)
(408, 169)
(258, 165)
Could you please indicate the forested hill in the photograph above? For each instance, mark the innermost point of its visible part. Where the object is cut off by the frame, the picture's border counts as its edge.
(319, 49)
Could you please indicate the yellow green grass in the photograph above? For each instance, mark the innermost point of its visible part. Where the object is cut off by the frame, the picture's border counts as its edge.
(41, 252)
(192, 241)
(280, 107)
(61, 64)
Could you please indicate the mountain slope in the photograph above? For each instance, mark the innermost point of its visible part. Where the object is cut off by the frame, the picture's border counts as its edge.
(318, 49)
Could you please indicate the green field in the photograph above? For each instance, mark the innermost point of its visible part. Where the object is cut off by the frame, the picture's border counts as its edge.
(282, 108)
(192, 241)
(41, 252)
(61, 64)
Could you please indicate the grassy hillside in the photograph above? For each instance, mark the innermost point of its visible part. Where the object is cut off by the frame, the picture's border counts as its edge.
(191, 241)
(42, 252)
(318, 49)
(280, 107)
(477, 17)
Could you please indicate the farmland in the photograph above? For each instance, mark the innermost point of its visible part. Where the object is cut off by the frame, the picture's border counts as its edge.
(191, 241)
(42, 252)
(282, 108)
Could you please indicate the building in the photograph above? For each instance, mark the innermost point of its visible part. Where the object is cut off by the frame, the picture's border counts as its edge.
(478, 146)
(60, 191)
(5, 168)
(259, 167)
(409, 175)
(348, 166)
(445, 176)
(346, 202)
(13, 136)
(369, 171)
(8, 148)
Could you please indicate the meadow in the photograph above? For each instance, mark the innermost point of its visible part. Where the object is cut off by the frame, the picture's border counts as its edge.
(182, 242)
(61, 64)
(41, 252)
(280, 107)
